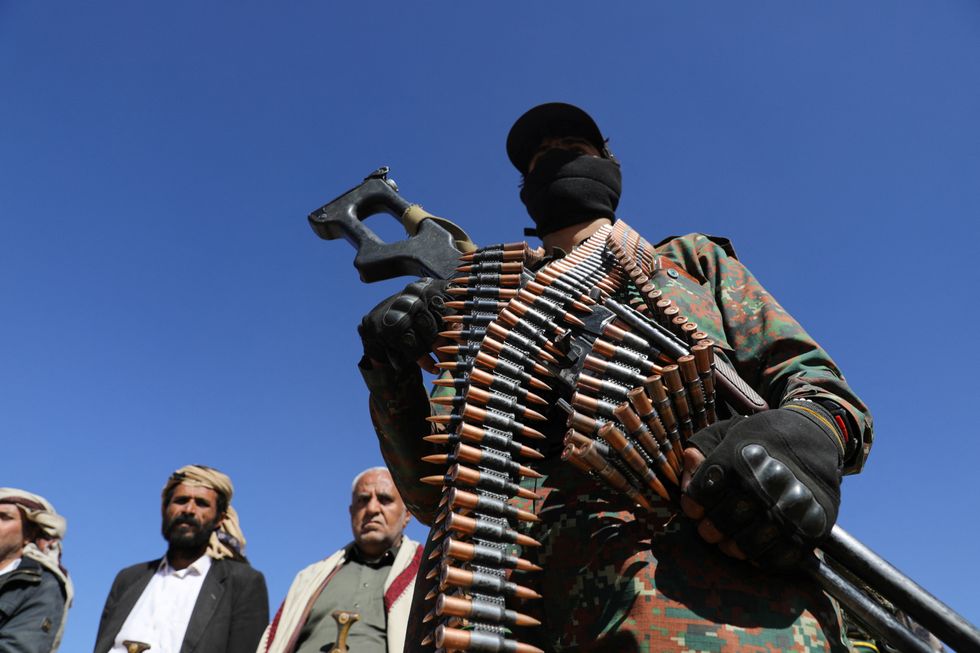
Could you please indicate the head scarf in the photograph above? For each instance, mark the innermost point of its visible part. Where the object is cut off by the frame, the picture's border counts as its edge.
(227, 541)
(46, 548)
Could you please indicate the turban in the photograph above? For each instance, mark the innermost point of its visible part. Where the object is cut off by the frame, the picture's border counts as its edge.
(227, 541)
(46, 548)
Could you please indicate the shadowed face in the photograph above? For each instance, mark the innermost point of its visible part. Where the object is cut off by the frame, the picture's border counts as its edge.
(190, 516)
(12, 538)
(377, 514)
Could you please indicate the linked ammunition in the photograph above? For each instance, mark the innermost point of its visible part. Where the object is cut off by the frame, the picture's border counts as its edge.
(490, 279)
(460, 475)
(513, 337)
(478, 304)
(534, 330)
(656, 391)
(485, 529)
(621, 373)
(630, 340)
(678, 396)
(490, 419)
(483, 583)
(485, 555)
(646, 412)
(704, 358)
(501, 384)
(593, 406)
(478, 641)
(479, 256)
(610, 474)
(600, 387)
(580, 440)
(580, 302)
(508, 368)
(546, 306)
(498, 401)
(475, 319)
(486, 504)
(482, 458)
(464, 335)
(493, 267)
(480, 292)
(484, 611)
(492, 439)
(689, 374)
(583, 423)
(625, 356)
(571, 454)
(639, 432)
(636, 462)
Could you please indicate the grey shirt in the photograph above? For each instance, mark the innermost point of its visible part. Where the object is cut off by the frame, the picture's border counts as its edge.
(358, 586)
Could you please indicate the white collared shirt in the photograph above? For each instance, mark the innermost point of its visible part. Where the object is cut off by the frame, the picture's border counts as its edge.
(161, 614)
(6, 569)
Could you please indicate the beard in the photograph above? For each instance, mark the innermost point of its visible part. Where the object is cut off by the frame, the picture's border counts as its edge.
(188, 539)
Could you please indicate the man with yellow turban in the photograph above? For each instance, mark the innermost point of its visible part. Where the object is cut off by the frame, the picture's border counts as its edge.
(35, 590)
(202, 596)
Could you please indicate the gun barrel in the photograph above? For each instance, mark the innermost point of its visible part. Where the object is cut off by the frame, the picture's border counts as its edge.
(869, 611)
(937, 617)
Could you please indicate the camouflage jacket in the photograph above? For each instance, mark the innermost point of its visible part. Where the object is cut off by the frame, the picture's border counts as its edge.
(615, 581)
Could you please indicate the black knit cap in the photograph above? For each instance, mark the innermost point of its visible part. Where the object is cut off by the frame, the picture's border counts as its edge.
(551, 120)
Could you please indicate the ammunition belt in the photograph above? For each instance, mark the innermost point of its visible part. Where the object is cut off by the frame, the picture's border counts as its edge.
(633, 392)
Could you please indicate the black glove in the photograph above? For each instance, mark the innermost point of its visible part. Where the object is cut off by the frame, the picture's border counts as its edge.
(402, 328)
(771, 482)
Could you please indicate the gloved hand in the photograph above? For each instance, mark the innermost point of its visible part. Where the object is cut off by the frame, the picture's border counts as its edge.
(401, 329)
(766, 487)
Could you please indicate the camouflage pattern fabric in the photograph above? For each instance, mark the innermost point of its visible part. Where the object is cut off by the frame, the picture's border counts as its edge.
(620, 583)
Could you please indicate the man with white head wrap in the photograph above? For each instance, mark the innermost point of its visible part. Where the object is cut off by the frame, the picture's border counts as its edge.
(202, 596)
(35, 590)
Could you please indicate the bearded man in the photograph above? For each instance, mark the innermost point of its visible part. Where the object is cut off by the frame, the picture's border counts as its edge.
(372, 576)
(35, 590)
(202, 596)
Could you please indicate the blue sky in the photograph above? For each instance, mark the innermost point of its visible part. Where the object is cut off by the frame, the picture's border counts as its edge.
(165, 301)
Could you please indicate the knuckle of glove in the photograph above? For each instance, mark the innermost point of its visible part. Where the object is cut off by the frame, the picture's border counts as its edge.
(791, 501)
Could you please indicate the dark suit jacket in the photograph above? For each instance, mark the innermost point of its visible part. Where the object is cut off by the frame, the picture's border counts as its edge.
(230, 615)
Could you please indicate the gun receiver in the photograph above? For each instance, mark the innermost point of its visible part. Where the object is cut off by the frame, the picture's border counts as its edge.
(431, 251)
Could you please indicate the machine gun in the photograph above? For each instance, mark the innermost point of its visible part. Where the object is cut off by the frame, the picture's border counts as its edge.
(433, 248)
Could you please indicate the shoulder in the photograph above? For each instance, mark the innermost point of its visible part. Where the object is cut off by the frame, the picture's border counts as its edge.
(131, 573)
(329, 562)
(51, 588)
(696, 243)
(237, 569)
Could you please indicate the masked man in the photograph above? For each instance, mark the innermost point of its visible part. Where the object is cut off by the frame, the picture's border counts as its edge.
(202, 596)
(765, 487)
(35, 590)
(373, 576)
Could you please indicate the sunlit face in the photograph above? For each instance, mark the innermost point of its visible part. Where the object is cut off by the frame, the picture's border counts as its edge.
(190, 516)
(12, 539)
(570, 143)
(377, 513)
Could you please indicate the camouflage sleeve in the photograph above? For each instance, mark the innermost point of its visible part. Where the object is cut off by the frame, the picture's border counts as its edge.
(399, 406)
(770, 349)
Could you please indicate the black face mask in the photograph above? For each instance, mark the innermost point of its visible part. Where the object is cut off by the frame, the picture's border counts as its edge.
(566, 188)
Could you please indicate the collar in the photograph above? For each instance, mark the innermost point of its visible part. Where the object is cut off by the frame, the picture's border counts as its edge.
(199, 567)
(13, 564)
(353, 554)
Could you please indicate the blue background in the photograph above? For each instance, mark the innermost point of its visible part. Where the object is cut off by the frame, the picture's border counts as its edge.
(165, 301)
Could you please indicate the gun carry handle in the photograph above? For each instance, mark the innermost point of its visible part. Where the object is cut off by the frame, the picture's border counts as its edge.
(429, 253)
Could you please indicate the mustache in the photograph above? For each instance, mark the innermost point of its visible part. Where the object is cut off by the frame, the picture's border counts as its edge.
(184, 519)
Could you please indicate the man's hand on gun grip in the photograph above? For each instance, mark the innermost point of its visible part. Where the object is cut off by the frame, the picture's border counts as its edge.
(766, 487)
(401, 330)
